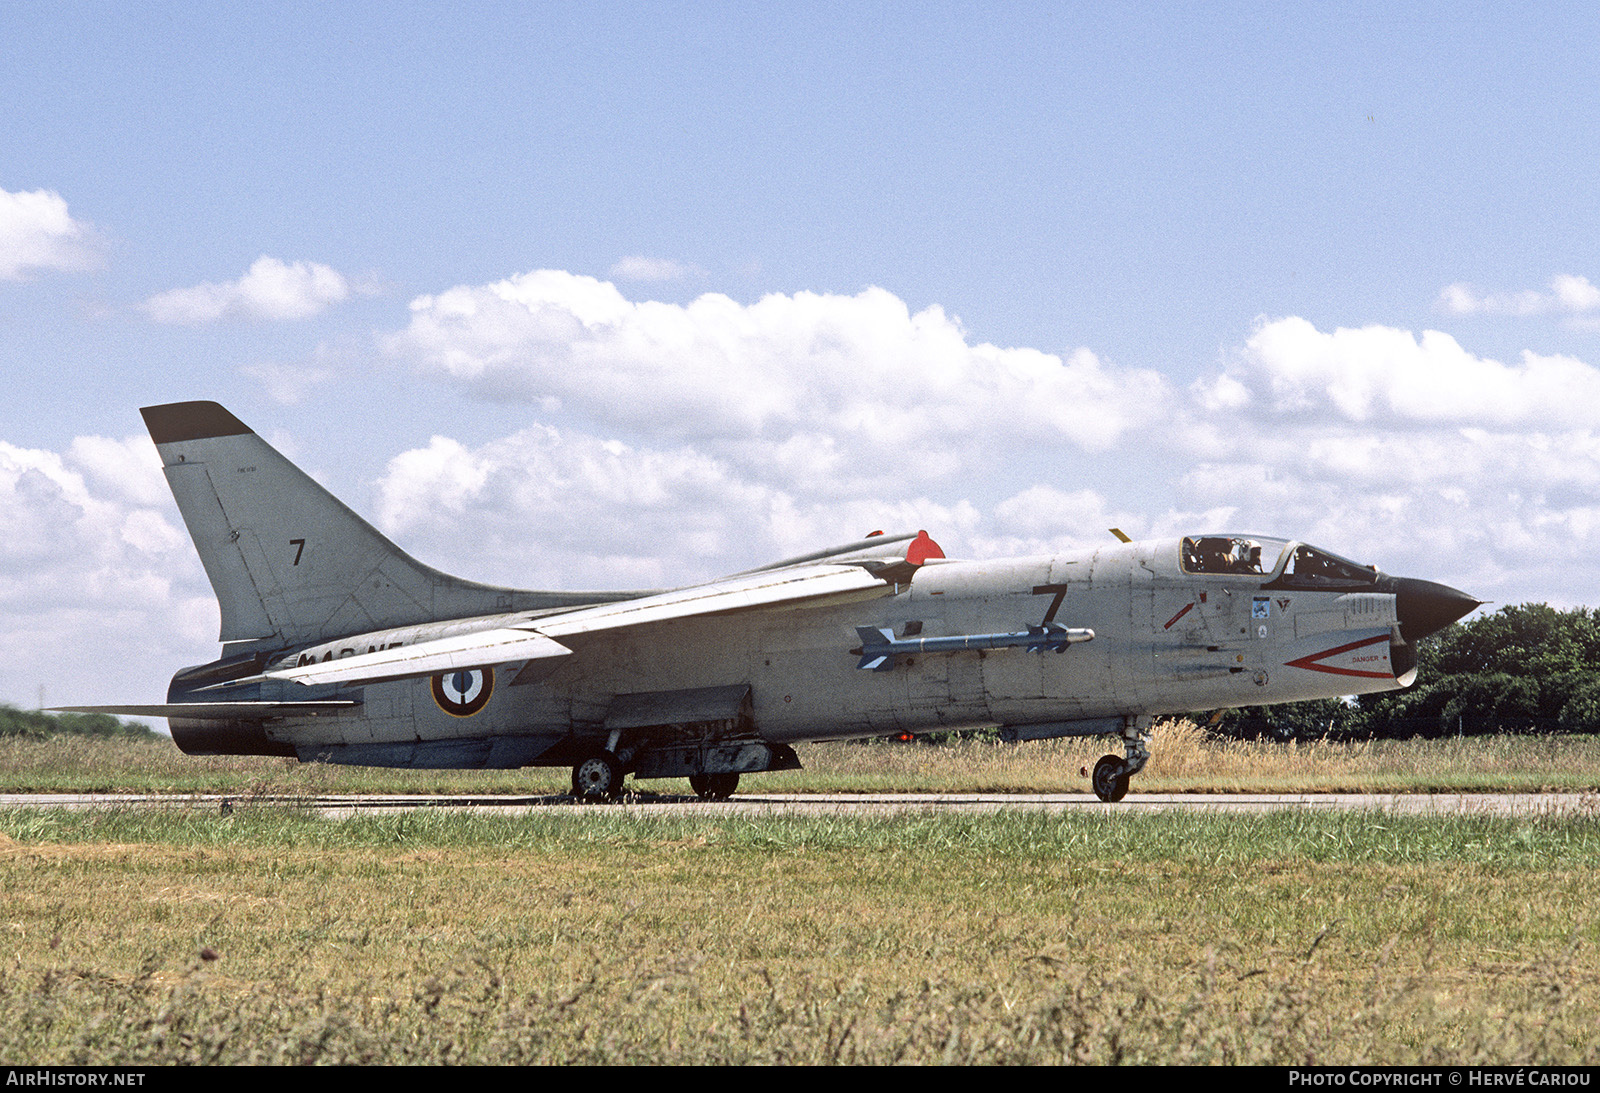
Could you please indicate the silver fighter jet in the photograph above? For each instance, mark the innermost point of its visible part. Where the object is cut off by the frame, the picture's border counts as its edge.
(339, 647)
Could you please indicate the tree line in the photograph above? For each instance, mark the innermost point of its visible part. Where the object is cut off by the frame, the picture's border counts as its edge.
(37, 724)
(1524, 669)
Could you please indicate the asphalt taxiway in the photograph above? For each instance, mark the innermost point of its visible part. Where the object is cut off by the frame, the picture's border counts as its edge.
(860, 804)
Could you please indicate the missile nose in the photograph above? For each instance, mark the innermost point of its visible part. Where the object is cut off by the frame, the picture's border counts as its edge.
(1426, 607)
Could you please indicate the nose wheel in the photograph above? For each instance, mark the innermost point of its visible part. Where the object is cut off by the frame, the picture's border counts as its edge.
(1110, 779)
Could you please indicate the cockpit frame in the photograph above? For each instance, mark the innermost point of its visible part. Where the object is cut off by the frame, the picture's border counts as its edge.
(1278, 563)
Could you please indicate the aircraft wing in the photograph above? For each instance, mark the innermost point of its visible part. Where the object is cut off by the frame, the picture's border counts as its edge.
(808, 586)
(799, 586)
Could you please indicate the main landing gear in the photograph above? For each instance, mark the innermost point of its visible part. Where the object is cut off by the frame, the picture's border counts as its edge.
(597, 777)
(1111, 774)
(714, 787)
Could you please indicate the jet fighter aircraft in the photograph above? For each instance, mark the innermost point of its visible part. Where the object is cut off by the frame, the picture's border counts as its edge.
(339, 647)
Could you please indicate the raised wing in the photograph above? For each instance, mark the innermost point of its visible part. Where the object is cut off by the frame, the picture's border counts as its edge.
(809, 586)
(529, 638)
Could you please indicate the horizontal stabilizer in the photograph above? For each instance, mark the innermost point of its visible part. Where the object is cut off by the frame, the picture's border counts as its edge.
(251, 710)
(457, 653)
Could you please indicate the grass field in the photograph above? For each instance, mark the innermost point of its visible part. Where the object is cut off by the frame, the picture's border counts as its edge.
(1183, 760)
(271, 935)
(1293, 937)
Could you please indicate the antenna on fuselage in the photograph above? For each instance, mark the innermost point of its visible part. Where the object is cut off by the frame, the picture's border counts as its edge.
(1121, 536)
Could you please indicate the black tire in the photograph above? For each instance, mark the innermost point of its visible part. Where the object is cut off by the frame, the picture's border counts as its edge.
(597, 777)
(1109, 781)
(714, 787)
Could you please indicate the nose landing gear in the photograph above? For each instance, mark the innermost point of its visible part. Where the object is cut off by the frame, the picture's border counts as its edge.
(1111, 774)
(1109, 781)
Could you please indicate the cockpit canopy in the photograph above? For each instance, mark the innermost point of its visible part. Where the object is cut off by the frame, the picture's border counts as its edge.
(1288, 564)
(1230, 554)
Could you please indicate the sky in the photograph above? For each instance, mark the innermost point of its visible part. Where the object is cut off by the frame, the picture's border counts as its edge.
(612, 295)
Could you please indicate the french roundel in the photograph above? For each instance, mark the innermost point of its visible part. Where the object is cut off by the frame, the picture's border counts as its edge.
(462, 694)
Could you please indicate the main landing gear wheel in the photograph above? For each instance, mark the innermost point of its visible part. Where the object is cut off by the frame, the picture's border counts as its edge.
(597, 778)
(714, 787)
(1110, 780)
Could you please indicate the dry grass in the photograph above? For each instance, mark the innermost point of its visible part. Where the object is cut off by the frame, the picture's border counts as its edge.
(1183, 759)
(1293, 937)
(1298, 938)
(66, 764)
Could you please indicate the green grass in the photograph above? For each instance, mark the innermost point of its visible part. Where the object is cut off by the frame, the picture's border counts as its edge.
(1183, 760)
(271, 935)
(1464, 840)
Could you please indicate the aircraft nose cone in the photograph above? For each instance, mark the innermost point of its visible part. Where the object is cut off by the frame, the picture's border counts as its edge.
(1426, 607)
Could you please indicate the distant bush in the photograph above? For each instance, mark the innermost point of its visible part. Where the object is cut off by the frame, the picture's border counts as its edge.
(1314, 720)
(1523, 669)
(1529, 668)
(1581, 711)
(38, 725)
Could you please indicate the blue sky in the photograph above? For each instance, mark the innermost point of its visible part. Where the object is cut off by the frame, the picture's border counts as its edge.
(612, 295)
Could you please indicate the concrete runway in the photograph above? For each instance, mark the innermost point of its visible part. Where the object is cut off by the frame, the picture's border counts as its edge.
(860, 804)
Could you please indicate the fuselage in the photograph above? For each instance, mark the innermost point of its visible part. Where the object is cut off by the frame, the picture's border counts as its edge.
(340, 647)
(1174, 630)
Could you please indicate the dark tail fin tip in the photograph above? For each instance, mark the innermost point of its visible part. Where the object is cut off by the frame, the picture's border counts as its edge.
(178, 421)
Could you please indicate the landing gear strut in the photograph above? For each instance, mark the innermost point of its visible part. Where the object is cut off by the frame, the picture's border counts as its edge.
(1110, 780)
(597, 777)
(714, 787)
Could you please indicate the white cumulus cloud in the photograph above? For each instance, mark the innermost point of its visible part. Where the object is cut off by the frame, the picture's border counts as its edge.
(269, 289)
(562, 509)
(36, 233)
(758, 430)
(805, 416)
(1568, 294)
(1378, 372)
(287, 384)
(92, 558)
(1406, 450)
(1575, 293)
(558, 509)
(816, 385)
(637, 267)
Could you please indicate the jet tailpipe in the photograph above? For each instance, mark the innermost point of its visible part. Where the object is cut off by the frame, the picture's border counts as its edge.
(224, 736)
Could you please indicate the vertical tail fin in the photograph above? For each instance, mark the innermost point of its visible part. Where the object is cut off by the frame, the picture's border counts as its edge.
(289, 562)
